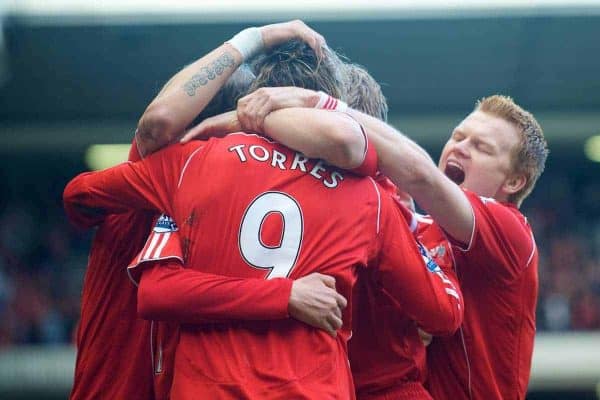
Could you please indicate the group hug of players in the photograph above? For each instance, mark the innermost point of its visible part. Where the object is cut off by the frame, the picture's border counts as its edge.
(285, 259)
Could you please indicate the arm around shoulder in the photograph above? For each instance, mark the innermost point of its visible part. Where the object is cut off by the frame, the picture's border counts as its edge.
(410, 167)
(502, 237)
(332, 136)
(170, 292)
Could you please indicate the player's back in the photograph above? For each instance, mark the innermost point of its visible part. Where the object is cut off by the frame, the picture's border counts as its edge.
(257, 209)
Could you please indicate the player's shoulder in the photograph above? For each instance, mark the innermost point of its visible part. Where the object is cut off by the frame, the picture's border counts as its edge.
(257, 146)
(189, 147)
(504, 220)
(176, 151)
(247, 138)
(503, 212)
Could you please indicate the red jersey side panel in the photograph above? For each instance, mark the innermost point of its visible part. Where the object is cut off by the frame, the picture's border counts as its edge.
(498, 277)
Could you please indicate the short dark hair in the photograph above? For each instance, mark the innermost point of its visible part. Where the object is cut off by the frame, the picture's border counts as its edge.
(294, 63)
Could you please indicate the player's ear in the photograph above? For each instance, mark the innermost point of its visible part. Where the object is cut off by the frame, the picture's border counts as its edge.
(514, 183)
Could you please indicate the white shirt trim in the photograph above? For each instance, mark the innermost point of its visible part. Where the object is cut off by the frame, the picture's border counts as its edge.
(134, 266)
(186, 165)
(470, 243)
(534, 248)
(378, 202)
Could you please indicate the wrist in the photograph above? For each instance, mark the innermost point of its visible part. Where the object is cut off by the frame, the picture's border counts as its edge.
(327, 102)
(248, 42)
(312, 98)
(293, 306)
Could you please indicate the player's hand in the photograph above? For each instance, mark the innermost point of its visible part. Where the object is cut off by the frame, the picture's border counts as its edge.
(315, 302)
(253, 108)
(217, 126)
(275, 34)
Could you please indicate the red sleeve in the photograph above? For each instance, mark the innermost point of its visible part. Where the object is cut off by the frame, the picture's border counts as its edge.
(163, 243)
(148, 184)
(81, 216)
(407, 273)
(86, 217)
(502, 243)
(169, 292)
(111, 191)
(369, 164)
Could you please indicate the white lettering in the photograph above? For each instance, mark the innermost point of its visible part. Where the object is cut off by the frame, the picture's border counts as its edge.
(278, 159)
(238, 150)
(444, 278)
(316, 169)
(300, 160)
(334, 180)
(265, 155)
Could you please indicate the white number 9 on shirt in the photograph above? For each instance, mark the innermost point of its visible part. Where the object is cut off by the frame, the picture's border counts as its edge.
(281, 258)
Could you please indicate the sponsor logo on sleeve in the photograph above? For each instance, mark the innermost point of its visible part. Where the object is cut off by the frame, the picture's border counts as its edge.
(165, 224)
(431, 265)
(438, 251)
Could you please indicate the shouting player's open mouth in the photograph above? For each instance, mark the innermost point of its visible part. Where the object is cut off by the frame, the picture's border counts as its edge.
(455, 172)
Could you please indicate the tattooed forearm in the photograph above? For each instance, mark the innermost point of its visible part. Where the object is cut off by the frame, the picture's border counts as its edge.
(209, 73)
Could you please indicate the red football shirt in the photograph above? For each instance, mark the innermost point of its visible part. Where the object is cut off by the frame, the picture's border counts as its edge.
(113, 356)
(490, 356)
(110, 332)
(251, 208)
(387, 354)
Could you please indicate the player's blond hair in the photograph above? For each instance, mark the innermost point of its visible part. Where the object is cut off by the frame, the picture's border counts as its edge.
(296, 64)
(529, 157)
(363, 93)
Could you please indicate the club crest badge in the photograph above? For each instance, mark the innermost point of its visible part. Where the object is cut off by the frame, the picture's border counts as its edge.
(431, 265)
(165, 224)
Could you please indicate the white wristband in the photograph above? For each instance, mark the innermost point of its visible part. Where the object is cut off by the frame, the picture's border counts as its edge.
(326, 102)
(248, 42)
